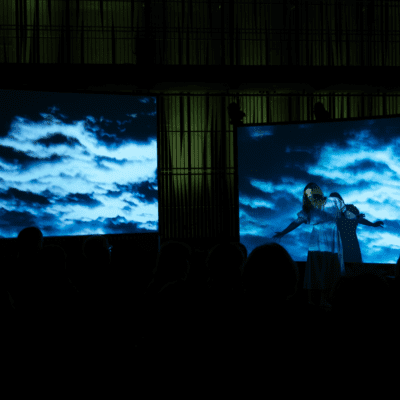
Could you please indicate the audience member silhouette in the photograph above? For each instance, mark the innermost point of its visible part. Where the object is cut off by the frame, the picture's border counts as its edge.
(271, 284)
(190, 296)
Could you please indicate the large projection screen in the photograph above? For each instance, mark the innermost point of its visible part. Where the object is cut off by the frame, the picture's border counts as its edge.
(76, 164)
(357, 158)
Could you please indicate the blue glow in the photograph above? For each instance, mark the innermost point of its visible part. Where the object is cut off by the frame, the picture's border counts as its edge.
(77, 164)
(358, 159)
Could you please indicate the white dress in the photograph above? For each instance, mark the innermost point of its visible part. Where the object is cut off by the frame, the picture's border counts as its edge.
(325, 263)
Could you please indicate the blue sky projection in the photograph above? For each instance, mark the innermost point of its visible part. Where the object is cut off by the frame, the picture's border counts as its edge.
(358, 159)
(77, 164)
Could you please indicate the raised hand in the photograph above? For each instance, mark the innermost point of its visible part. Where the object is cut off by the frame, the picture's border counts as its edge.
(378, 223)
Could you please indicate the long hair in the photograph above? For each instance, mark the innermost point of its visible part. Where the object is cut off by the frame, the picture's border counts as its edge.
(337, 195)
(349, 207)
(316, 195)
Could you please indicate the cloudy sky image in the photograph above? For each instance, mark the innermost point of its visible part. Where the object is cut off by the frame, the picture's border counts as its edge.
(77, 164)
(359, 159)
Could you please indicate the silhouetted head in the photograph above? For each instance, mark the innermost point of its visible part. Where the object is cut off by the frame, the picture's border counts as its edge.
(337, 195)
(29, 242)
(271, 273)
(312, 197)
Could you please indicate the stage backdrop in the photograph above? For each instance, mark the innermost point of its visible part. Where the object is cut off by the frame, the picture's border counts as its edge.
(77, 164)
(358, 158)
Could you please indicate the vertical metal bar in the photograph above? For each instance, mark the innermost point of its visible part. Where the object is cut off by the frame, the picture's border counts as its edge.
(182, 159)
(213, 155)
(164, 176)
(121, 30)
(160, 188)
(49, 34)
(217, 174)
(125, 8)
(207, 202)
(163, 166)
(82, 36)
(161, 173)
(180, 163)
(176, 163)
(202, 181)
(88, 32)
(27, 42)
(109, 12)
(91, 43)
(115, 40)
(36, 36)
(17, 28)
(189, 199)
(68, 34)
(170, 137)
(173, 165)
(200, 178)
(8, 34)
(170, 156)
(171, 162)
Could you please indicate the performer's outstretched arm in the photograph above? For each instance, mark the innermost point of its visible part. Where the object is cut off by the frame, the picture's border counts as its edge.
(363, 221)
(293, 225)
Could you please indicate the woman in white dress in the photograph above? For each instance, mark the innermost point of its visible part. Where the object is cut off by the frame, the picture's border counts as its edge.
(325, 263)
